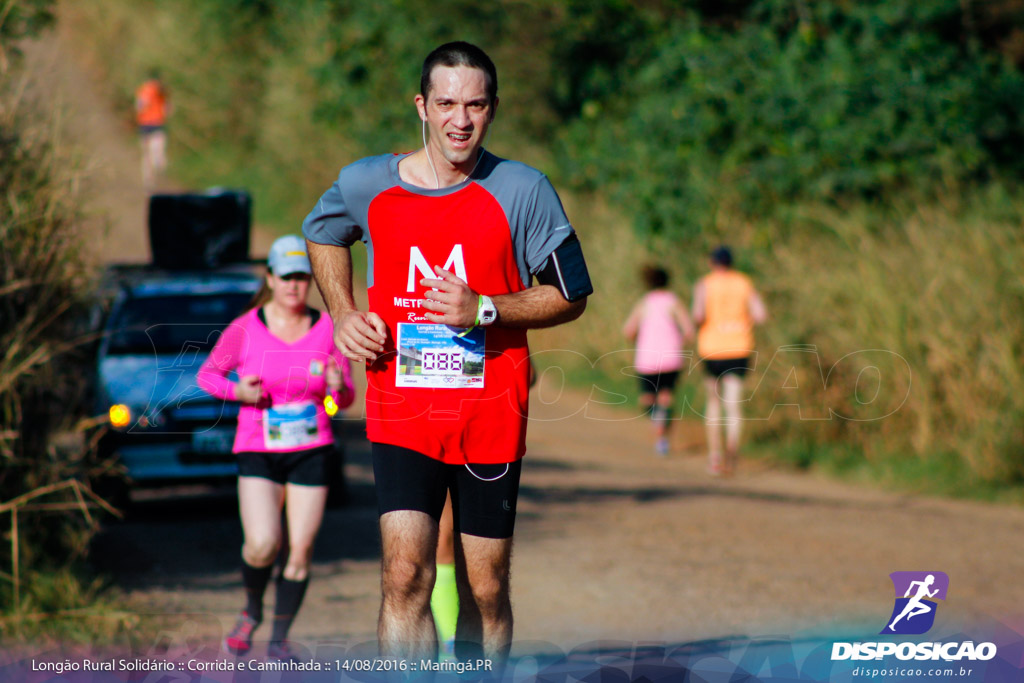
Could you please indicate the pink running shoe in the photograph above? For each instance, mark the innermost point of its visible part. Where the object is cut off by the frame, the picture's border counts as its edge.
(239, 639)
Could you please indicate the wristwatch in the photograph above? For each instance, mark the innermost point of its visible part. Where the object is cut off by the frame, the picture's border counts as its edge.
(486, 312)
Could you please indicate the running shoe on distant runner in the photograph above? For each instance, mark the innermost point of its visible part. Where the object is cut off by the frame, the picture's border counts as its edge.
(239, 640)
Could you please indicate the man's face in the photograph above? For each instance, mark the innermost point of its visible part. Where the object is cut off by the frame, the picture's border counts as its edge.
(458, 112)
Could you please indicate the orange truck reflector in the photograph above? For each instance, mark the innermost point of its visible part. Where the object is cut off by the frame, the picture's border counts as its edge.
(120, 415)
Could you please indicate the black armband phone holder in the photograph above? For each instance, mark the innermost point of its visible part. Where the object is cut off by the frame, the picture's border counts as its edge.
(566, 270)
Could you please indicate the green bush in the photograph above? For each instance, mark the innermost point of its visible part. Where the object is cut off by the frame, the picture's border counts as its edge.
(849, 100)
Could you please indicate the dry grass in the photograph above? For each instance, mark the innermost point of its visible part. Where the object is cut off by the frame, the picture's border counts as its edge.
(45, 288)
(937, 287)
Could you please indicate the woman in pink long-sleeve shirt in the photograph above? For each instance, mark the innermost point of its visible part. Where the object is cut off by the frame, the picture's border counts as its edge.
(289, 374)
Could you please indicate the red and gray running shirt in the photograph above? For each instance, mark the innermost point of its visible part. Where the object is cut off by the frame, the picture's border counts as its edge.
(455, 399)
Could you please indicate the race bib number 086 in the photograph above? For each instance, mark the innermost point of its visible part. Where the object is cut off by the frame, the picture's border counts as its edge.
(435, 356)
(440, 362)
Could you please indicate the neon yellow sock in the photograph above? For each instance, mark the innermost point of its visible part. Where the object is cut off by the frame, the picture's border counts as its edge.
(444, 602)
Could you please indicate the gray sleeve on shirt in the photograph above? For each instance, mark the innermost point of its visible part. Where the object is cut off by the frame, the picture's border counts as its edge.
(340, 216)
(330, 221)
(547, 225)
(533, 209)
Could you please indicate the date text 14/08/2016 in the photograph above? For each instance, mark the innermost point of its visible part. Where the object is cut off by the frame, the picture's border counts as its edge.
(458, 667)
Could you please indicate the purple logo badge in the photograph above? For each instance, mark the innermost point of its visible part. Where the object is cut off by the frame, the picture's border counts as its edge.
(916, 595)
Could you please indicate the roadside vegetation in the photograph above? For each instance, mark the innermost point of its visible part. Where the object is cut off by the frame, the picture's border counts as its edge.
(860, 157)
(47, 517)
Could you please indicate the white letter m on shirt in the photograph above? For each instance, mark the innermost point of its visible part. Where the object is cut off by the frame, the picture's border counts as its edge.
(417, 262)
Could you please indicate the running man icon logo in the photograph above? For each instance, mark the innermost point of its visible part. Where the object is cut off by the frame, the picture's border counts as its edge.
(914, 612)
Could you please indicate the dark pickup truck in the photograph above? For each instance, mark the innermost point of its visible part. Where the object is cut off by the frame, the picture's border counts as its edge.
(161, 327)
(162, 320)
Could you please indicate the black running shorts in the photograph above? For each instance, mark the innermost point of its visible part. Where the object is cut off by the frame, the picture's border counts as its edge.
(737, 366)
(483, 496)
(661, 381)
(312, 467)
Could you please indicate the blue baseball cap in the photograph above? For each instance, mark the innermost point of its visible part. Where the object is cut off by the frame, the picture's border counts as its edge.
(288, 255)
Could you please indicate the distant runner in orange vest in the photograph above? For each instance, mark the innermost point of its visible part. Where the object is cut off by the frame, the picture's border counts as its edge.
(725, 309)
(151, 110)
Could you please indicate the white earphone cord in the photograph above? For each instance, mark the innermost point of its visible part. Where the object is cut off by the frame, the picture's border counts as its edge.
(470, 470)
(437, 181)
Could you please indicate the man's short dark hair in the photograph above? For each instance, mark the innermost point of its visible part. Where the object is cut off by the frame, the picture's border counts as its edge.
(460, 53)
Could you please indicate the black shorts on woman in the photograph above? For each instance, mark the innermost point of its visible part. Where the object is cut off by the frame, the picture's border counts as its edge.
(652, 383)
(309, 467)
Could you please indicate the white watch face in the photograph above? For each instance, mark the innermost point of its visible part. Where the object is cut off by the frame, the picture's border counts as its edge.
(487, 313)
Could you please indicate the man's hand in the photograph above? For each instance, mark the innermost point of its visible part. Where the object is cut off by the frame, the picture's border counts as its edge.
(360, 336)
(248, 389)
(453, 303)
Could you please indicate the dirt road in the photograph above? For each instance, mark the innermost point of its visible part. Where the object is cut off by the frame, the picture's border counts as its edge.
(612, 542)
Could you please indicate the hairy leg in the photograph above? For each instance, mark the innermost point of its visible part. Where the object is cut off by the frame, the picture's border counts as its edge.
(405, 627)
(485, 609)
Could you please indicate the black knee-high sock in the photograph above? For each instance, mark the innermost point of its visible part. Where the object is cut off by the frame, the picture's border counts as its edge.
(255, 580)
(289, 599)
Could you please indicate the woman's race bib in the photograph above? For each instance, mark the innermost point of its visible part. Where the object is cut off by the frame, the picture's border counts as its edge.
(435, 356)
(290, 426)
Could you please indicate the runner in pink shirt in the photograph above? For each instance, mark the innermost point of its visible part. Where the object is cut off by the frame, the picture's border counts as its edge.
(290, 376)
(661, 327)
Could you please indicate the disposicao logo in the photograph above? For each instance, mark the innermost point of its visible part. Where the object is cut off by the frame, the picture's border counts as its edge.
(913, 614)
(916, 595)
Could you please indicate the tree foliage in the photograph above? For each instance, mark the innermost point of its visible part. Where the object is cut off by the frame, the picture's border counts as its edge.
(23, 18)
(839, 100)
(676, 110)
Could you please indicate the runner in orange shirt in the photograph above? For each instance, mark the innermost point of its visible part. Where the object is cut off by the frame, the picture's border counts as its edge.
(725, 309)
(151, 110)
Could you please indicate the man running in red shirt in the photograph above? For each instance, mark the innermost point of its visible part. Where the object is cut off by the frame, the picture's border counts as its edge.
(454, 236)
